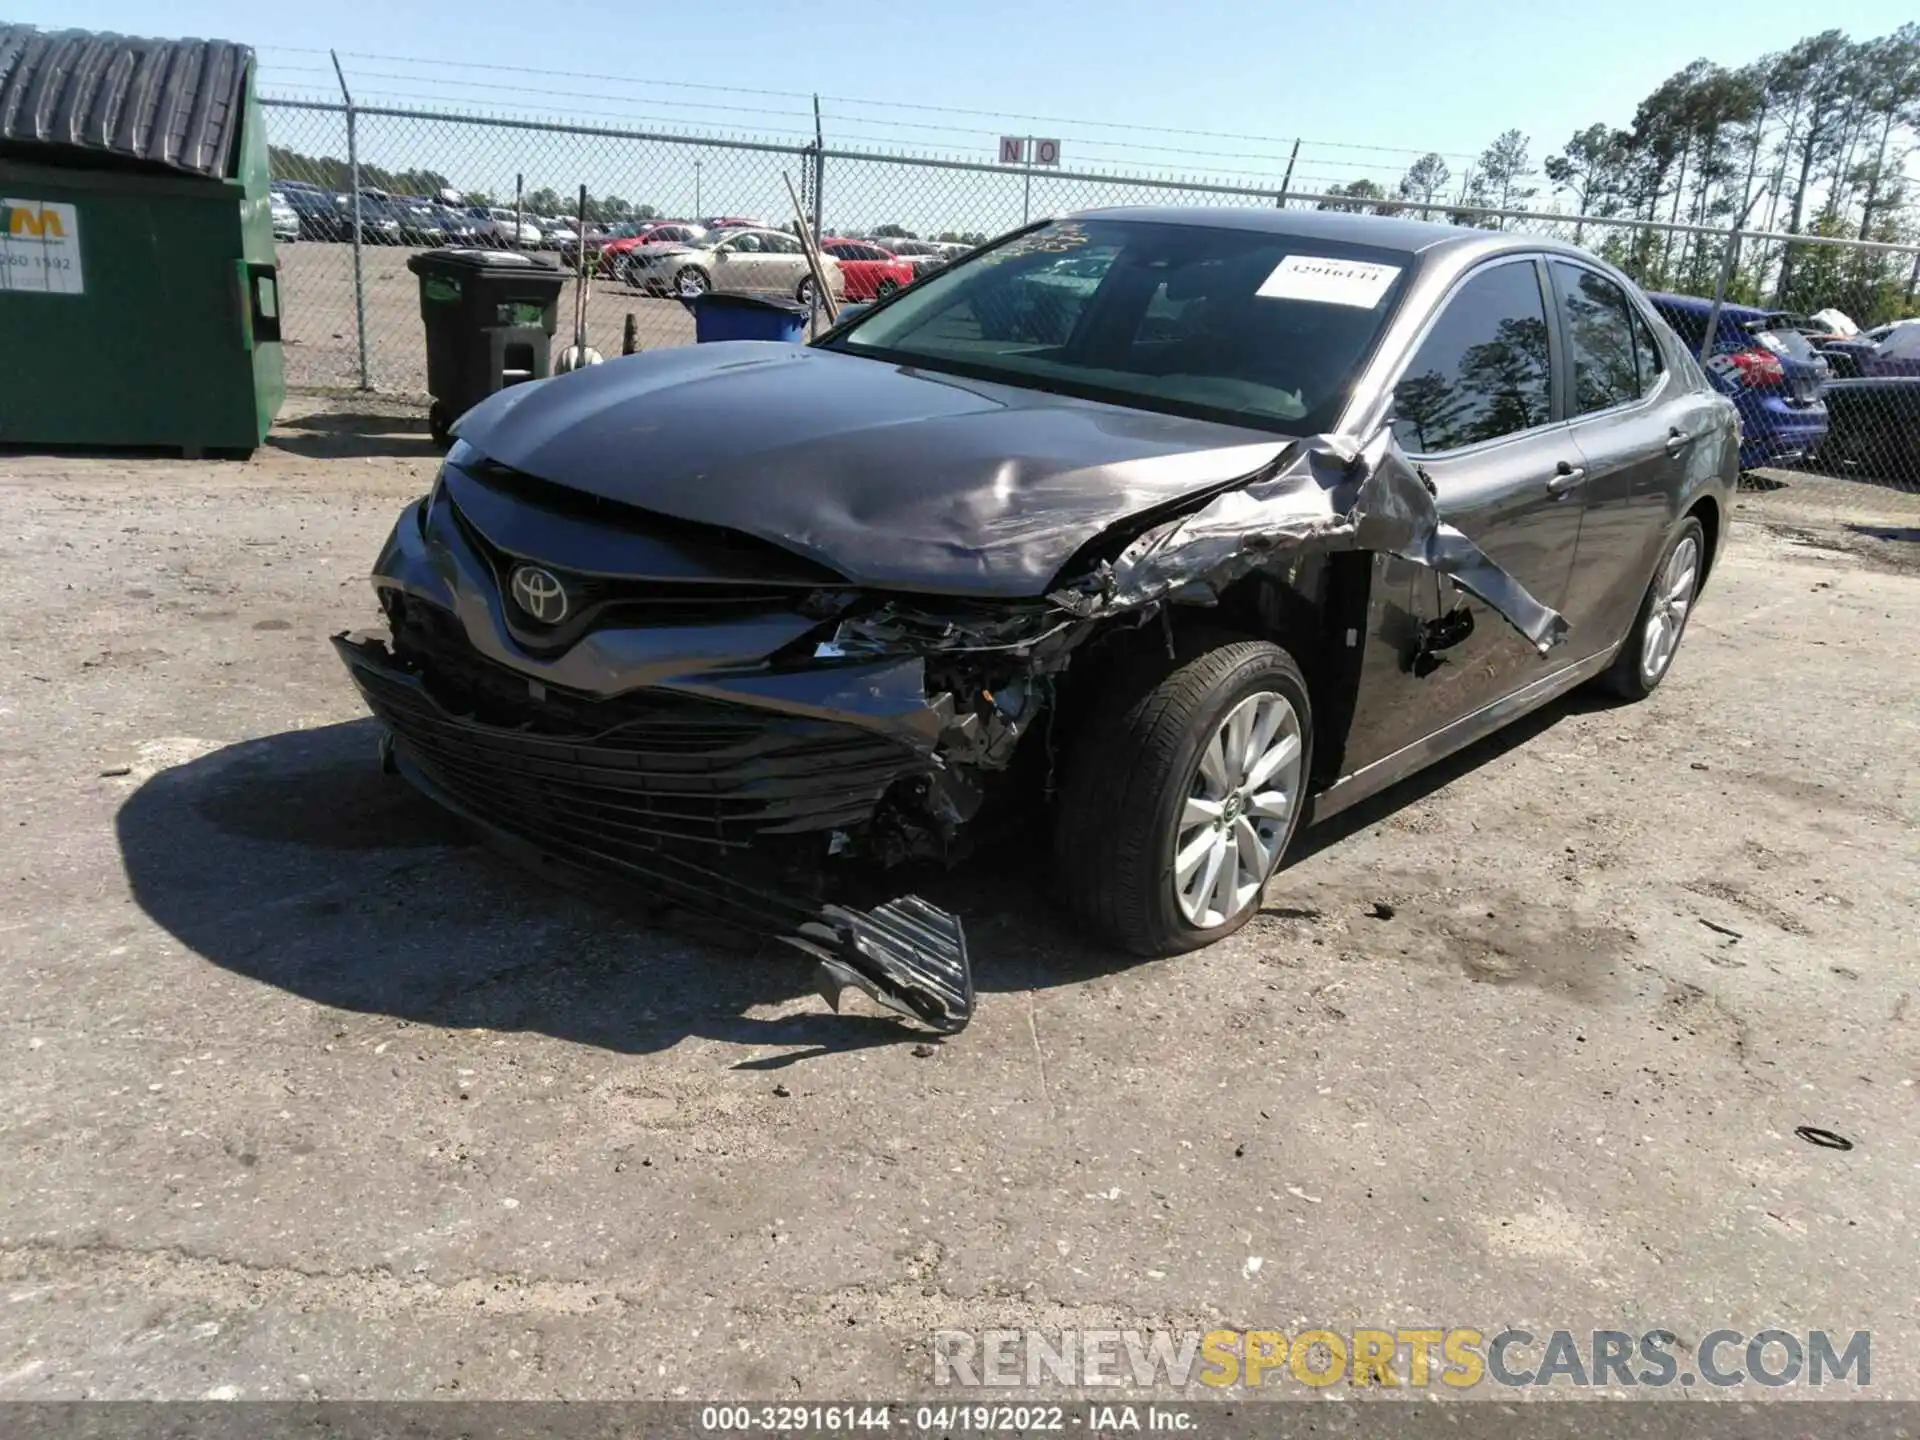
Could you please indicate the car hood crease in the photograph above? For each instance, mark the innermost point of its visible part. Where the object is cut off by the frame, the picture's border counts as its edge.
(894, 477)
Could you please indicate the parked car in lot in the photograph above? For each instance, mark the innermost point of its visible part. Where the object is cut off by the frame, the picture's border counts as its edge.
(420, 224)
(614, 254)
(1302, 502)
(379, 223)
(319, 214)
(496, 225)
(459, 228)
(1895, 349)
(286, 220)
(923, 255)
(738, 262)
(557, 233)
(1874, 426)
(1768, 369)
(871, 273)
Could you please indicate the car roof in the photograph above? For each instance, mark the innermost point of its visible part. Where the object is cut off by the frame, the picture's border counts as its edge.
(1387, 232)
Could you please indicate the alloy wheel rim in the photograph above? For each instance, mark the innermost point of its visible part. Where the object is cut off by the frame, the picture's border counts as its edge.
(1667, 617)
(692, 283)
(1237, 811)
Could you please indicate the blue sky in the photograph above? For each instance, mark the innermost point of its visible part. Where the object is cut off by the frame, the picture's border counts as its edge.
(1405, 73)
(1122, 77)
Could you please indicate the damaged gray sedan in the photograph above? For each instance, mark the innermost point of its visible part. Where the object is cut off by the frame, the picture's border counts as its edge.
(1178, 529)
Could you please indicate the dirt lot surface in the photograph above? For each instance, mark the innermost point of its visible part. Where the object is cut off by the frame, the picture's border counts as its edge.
(303, 1094)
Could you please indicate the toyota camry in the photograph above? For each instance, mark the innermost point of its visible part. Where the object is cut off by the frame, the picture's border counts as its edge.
(1169, 530)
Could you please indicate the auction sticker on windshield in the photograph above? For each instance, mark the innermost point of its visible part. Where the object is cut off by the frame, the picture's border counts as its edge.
(1359, 283)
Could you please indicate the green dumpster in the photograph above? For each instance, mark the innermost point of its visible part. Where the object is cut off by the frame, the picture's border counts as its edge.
(139, 303)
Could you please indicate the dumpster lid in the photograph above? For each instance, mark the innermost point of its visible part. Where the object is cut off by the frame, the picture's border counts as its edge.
(727, 300)
(77, 96)
(449, 258)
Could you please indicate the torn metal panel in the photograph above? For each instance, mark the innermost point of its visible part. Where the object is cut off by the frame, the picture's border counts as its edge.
(908, 955)
(1325, 492)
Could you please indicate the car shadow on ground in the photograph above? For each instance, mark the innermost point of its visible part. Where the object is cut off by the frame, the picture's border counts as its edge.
(352, 434)
(293, 860)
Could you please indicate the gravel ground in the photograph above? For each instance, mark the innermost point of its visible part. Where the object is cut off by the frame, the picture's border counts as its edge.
(304, 1095)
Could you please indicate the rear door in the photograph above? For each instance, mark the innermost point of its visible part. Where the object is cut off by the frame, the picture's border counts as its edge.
(1637, 425)
(1476, 408)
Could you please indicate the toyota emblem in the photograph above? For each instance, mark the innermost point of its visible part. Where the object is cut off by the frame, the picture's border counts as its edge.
(539, 593)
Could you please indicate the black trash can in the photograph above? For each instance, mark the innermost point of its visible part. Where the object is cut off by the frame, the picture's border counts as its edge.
(490, 317)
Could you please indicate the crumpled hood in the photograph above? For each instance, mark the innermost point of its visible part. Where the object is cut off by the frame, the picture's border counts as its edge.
(896, 478)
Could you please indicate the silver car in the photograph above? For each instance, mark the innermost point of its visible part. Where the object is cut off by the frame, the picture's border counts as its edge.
(286, 220)
(735, 262)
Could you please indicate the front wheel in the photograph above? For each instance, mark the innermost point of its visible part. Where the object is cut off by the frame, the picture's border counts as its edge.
(1183, 795)
(1647, 653)
(885, 288)
(692, 280)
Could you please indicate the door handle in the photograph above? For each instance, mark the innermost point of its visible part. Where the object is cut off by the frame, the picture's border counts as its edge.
(1678, 440)
(1565, 477)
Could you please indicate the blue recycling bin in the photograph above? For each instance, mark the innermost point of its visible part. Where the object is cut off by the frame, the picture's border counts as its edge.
(745, 317)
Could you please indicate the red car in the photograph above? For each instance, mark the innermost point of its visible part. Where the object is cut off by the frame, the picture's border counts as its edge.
(872, 273)
(651, 232)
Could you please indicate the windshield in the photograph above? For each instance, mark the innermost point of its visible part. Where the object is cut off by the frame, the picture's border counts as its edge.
(1238, 325)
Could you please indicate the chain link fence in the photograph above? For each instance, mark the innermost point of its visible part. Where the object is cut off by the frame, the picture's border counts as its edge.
(399, 180)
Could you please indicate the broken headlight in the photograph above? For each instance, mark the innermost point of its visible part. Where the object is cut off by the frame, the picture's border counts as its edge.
(899, 629)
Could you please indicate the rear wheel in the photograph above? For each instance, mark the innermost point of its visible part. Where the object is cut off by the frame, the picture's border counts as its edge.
(803, 292)
(1183, 795)
(1647, 653)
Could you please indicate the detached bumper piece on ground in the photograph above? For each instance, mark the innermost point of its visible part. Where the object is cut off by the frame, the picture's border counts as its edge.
(671, 792)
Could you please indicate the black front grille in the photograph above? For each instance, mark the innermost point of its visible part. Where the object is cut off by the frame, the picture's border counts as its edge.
(612, 778)
(597, 600)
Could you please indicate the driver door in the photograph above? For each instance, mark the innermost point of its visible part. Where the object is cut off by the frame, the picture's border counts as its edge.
(737, 265)
(1477, 409)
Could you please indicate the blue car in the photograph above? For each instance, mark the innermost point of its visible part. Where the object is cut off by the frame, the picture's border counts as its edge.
(1773, 375)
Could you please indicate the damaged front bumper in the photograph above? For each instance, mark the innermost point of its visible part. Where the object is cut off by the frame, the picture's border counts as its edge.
(671, 795)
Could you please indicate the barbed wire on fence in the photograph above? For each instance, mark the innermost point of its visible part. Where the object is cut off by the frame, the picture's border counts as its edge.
(351, 309)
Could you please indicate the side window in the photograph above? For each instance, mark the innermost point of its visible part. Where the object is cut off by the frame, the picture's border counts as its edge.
(1482, 372)
(783, 244)
(1648, 362)
(1600, 335)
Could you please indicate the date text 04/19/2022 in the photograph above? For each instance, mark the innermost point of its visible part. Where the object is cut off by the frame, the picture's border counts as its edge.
(854, 1418)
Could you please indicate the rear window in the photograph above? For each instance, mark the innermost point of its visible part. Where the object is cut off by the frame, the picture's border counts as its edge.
(1782, 339)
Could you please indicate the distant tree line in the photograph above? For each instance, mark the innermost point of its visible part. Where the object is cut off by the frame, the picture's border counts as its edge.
(1813, 140)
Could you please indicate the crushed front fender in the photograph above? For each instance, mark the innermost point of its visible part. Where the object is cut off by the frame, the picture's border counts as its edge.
(1323, 493)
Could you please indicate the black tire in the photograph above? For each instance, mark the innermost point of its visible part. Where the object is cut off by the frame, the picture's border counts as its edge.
(1128, 780)
(885, 288)
(439, 424)
(691, 280)
(803, 292)
(1627, 678)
